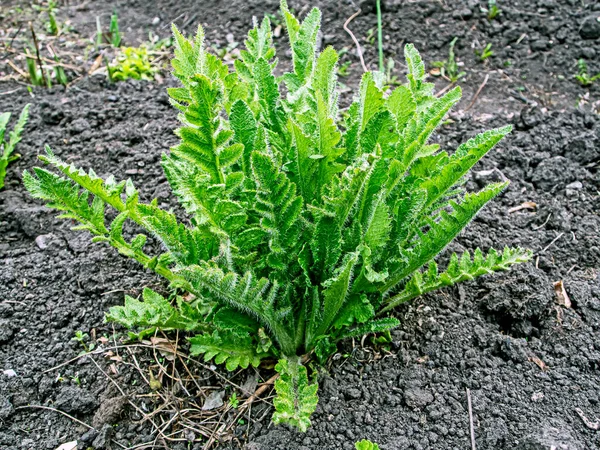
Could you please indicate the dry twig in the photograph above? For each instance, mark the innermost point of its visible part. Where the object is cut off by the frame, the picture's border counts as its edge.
(358, 49)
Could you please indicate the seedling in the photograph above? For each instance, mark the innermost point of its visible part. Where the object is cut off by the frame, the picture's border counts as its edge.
(449, 68)
(485, 53)
(52, 24)
(343, 69)
(371, 35)
(83, 338)
(134, 63)
(234, 401)
(493, 10)
(113, 36)
(391, 79)
(583, 76)
(113, 30)
(366, 445)
(35, 72)
(302, 230)
(8, 146)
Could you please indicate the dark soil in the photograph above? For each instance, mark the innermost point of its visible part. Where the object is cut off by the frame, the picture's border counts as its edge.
(527, 362)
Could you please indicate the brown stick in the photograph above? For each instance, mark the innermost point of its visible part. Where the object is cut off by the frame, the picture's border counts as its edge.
(89, 427)
(485, 80)
(471, 426)
(360, 56)
(37, 53)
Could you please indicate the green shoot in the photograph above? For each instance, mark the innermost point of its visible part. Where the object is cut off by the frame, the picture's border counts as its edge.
(583, 77)
(485, 53)
(366, 445)
(379, 36)
(113, 30)
(449, 68)
(234, 402)
(83, 338)
(133, 63)
(8, 145)
(52, 24)
(492, 11)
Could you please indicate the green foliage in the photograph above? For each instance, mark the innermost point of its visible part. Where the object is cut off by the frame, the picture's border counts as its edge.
(366, 445)
(449, 68)
(485, 53)
(493, 11)
(296, 398)
(8, 145)
(132, 63)
(52, 24)
(157, 312)
(583, 77)
(113, 36)
(303, 228)
(113, 30)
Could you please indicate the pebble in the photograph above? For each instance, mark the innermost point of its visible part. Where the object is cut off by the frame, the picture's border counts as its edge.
(9, 373)
(42, 241)
(463, 13)
(156, 21)
(417, 397)
(590, 28)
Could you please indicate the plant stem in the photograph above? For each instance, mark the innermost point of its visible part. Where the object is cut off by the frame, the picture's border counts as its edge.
(380, 36)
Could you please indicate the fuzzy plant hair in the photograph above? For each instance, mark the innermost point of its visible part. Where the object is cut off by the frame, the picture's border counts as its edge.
(305, 224)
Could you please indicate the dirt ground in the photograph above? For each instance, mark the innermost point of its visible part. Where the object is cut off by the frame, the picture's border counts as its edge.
(530, 366)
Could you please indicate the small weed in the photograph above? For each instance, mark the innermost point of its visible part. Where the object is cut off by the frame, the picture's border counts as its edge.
(234, 401)
(8, 147)
(83, 338)
(366, 445)
(52, 24)
(492, 11)
(485, 53)
(113, 37)
(132, 63)
(449, 68)
(583, 76)
(113, 30)
(391, 79)
(343, 70)
(371, 35)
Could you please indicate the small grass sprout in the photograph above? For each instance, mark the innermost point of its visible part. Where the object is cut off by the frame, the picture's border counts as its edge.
(492, 10)
(582, 76)
(485, 53)
(449, 68)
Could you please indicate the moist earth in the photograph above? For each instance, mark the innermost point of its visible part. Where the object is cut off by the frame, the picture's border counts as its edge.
(530, 365)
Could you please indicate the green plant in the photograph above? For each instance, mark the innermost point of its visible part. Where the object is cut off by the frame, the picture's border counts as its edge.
(113, 30)
(492, 11)
(303, 229)
(132, 62)
(82, 338)
(582, 76)
(379, 36)
(366, 445)
(8, 146)
(485, 53)
(234, 402)
(449, 68)
(52, 24)
(343, 69)
(113, 36)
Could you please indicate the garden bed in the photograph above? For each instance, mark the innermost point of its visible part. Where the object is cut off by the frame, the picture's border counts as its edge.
(530, 365)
